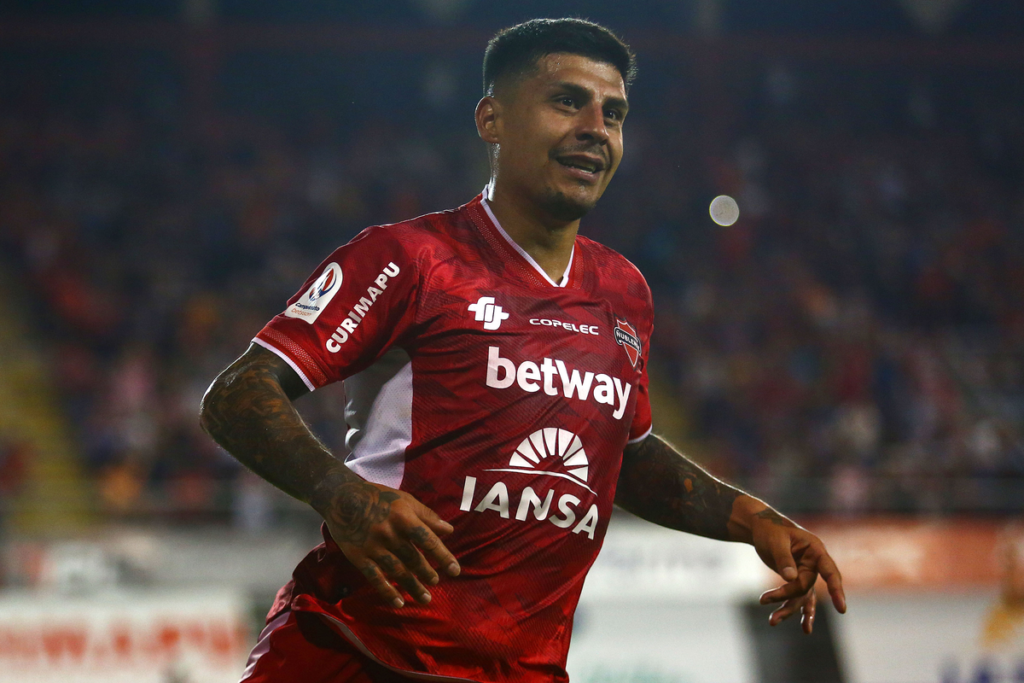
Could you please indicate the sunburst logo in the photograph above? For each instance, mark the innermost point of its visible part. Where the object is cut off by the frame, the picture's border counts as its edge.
(551, 442)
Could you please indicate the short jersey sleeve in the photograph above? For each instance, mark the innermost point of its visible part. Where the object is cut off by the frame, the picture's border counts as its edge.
(354, 306)
(642, 420)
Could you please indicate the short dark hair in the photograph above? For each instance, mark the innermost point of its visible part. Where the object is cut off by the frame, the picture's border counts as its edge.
(515, 50)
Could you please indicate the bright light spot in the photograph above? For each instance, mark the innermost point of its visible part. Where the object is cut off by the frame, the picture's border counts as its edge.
(724, 210)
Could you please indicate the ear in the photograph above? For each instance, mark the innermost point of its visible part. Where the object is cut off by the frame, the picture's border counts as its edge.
(488, 120)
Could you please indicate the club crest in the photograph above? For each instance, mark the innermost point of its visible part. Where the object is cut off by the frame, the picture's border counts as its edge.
(626, 337)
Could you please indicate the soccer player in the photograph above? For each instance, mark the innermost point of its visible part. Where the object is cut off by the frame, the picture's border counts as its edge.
(495, 366)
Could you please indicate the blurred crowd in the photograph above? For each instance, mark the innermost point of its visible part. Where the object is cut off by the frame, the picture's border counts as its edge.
(855, 343)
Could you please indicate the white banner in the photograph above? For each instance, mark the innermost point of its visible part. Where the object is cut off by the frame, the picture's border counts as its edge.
(967, 637)
(661, 642)
(641, 561)
(660, 606)
(124, 637)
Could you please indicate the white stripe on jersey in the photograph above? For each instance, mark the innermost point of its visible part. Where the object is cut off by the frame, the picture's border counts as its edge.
(263, 644)
(642, 436)
(280, 354)
(378, 413)
(522, 252)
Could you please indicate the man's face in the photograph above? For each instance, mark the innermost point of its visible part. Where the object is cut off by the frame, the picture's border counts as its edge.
(559, 133)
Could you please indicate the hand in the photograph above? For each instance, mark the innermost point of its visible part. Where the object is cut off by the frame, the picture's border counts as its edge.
(806, 603)
(798, 556)
(387, 534)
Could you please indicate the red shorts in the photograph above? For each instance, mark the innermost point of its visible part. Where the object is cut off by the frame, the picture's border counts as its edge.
(301, 647)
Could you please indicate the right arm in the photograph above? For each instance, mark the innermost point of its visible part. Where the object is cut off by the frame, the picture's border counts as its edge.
(384, 532)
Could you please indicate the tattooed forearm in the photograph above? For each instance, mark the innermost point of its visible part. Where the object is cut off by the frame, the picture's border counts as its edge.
(660, 485)
(351, 505)
(248, 410)
(774, 517)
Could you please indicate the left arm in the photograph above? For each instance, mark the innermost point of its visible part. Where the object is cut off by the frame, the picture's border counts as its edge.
(659, 484)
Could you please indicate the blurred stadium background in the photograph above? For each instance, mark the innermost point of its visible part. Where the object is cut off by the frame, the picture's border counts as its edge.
(852, 349)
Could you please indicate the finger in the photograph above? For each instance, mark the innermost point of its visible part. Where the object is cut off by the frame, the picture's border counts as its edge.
(396, 571)
(791, 589)
(782, 553)
(435, 550)
(433, 520)
(777, 594)
(383, 587)
(415, 562)
(807, 612)
(784, 612)
(834, 580)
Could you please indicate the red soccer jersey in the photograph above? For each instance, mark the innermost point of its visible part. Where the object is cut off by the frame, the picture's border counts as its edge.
(499, 399)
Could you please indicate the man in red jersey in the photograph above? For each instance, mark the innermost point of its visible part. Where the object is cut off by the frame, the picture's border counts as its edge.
(496, 372)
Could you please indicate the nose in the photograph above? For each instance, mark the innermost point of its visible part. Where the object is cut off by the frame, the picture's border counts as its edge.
(591, 124)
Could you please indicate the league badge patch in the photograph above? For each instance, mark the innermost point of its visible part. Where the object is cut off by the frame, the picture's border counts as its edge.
(626, 337)
(318, 295)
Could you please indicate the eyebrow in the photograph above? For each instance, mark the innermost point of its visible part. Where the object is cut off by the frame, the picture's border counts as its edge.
(583, 93)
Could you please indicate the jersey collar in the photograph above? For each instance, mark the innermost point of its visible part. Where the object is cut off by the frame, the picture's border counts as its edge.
(484, 196)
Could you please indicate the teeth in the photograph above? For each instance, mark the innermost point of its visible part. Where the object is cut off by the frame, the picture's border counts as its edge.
(588, 169)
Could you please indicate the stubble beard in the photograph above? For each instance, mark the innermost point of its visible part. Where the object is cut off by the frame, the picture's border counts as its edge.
(564, 208)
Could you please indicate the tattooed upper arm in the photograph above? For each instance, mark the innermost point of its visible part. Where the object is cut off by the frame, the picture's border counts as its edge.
(632, 449)
(661, 485)
(289, 380)
(248, 410)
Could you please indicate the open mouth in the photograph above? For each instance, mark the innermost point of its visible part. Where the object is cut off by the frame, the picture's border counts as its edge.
(587, 166)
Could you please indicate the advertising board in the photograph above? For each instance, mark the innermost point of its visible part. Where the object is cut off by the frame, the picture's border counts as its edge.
(663, 607)
(123, 637)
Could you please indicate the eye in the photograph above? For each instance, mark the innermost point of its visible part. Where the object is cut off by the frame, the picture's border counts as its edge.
(613, 114)
(567, 101)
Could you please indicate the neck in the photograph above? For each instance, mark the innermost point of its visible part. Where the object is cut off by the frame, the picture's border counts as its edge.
(548, 242)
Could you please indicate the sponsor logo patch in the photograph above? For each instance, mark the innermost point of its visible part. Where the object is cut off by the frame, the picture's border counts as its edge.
(571, 327)
(487, 312)
(625, 336)
(319, 294)
(549, 442)
(528, 505)
(554, 377)
(362, 307)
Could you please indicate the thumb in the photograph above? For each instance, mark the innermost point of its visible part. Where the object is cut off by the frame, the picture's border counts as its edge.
(785, 565)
